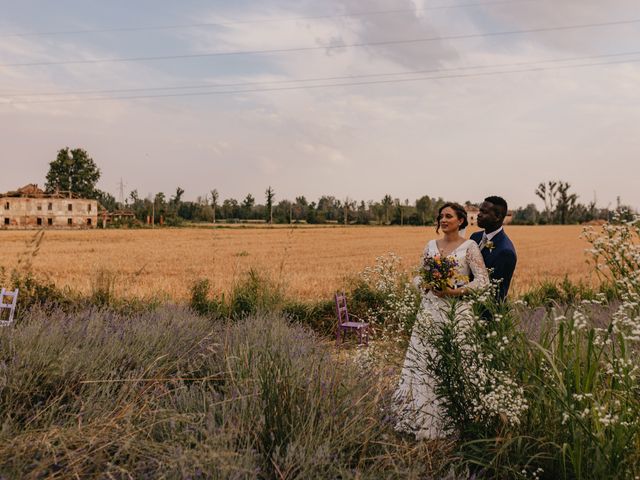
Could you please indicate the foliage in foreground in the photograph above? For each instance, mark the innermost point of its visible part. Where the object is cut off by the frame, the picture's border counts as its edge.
(168, 395)
(562, 402)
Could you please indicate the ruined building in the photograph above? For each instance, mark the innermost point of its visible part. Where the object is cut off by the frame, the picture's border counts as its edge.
(31, 207)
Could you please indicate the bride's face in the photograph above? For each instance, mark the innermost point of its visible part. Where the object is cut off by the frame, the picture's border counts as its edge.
(449, 221)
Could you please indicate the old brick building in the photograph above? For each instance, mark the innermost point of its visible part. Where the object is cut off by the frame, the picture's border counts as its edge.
(30, 207)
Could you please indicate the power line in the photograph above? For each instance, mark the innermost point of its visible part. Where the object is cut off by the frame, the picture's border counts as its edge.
(264, 20)
(329, 85)
(327, 47)
(318, 79)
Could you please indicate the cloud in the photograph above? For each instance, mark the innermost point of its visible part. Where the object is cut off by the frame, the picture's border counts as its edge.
(545, 13)
(456, 137)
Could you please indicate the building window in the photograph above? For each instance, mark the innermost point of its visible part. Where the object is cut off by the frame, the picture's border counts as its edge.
(50, 206)
(89, 208)
(69, 221)
(6, 206)
(6, 221)
(49, 221)
(39, 221)
(88, 221)
(39, 207)
(70, 207)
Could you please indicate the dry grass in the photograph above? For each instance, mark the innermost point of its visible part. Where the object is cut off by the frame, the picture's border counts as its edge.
(311, 262)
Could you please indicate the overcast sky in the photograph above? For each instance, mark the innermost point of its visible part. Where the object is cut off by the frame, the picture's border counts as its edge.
(472, 131)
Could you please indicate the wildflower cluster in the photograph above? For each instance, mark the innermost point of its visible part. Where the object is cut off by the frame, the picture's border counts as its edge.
(398, 303)
(615, 253)
(392, 304)
(438, 272)
(469, 358)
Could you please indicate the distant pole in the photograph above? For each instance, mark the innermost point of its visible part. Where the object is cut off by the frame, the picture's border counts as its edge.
(121, 192)
(153, 214)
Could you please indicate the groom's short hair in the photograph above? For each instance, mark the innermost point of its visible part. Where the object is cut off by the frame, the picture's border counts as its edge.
(500, 204)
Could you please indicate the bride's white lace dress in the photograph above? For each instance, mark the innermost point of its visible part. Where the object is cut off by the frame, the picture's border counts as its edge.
(415, 399)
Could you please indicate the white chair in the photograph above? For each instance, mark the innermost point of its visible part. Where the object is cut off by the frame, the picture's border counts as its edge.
(11, 295)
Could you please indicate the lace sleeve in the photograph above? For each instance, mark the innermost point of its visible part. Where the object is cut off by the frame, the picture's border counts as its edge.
(478, 268)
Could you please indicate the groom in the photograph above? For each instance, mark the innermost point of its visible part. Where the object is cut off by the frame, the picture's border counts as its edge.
(497, 250)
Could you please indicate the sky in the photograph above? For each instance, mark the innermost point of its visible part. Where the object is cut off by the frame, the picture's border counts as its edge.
(458, 99)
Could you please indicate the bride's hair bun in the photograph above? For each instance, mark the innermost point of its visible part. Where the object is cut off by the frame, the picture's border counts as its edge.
(461, 213)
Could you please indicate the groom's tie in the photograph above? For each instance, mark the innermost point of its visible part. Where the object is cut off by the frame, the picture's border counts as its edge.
(484, 241)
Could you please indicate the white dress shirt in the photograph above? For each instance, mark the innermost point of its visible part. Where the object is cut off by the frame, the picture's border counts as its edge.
(486, 237)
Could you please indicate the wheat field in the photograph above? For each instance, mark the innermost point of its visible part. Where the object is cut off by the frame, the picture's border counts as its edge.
(310, 262)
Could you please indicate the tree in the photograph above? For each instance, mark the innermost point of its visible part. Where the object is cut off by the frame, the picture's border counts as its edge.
(269, 196)
(214, 202)
(300, 208)
(387, 203)
(73, 171)
(526, 216)
(230, 208)
(177, 198)
(424, 207)
(547, 193)
(247, 206)
(107, 200)
(566, 202)
(329, 209)
(349, 205)
(363, 216)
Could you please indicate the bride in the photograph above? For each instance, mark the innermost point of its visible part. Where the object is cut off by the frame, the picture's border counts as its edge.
(415, 398)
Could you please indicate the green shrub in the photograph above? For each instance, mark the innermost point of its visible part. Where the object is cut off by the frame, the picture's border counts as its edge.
(203, 304)
(255, 293)
(551, 293)
(103, 286)
(35, 291)
(320, 316)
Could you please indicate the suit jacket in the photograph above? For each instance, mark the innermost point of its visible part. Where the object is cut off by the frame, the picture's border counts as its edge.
(501, 260)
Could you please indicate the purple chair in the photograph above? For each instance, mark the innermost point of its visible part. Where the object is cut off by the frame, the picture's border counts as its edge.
(346, 323)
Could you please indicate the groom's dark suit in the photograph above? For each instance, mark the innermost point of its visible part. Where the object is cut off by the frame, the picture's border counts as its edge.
(500, 260)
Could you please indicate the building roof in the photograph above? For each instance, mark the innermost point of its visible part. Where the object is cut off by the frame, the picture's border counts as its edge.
(32, 190)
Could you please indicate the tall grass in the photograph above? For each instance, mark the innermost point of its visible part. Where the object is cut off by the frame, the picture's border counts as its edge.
(169, 394)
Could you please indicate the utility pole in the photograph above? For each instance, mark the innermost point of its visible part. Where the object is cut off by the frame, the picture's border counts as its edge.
(121, 191)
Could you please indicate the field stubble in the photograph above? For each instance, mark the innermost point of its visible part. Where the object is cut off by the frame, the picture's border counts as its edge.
(311, 263)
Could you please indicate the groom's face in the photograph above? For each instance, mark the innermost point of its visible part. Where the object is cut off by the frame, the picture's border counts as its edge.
(488, 217)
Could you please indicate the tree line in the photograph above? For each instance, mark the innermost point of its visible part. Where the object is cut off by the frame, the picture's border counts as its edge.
(75, 171)
(562, 207)
(327, 209)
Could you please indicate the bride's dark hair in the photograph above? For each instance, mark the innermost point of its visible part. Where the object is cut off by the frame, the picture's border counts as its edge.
(461, 213)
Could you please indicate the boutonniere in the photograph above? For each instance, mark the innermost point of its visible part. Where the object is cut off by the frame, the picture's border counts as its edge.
(490, 245)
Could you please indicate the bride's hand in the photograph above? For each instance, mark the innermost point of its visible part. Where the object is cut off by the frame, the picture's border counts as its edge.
(449, 292)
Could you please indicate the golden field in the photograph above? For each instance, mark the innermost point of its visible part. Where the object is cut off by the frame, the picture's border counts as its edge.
(311, 262)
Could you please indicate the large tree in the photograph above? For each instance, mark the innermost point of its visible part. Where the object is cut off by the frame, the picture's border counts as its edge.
(387, 203)
(269, 197)
(214, 202)
(73, 171)
(548, 193)
(566, 203)
(424, 206)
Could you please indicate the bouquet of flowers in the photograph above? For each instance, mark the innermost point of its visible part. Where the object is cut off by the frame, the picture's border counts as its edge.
(438, 272)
